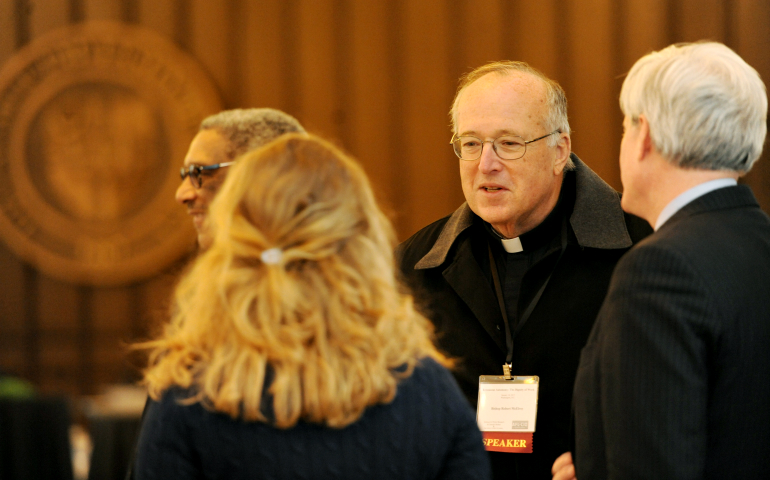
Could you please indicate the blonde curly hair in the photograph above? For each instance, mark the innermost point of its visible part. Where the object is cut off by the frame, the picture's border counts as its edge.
(326, 315)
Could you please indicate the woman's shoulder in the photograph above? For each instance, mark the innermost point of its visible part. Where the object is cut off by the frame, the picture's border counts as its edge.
(176, 395)
(434, 382)
(428, 369)
(175, 402)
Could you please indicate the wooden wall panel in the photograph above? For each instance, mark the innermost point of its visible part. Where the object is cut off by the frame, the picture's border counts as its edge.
(156, 297)
(58, 304)
(536, 36)
(51, 307)
(317, 93)
(104, 358)
(102, 9)
(702, 20)
(262, 49)
(643, 27)
(14, 353)
(751, 38)
(145, 303)
(593, 109)
(58, 315)
(477, 32)
(7, 30)
(372, 82)
(111, 362)
(110, 308)
(60, 370)
(428, 166)
(103, 314)
(378, 77)
(343, 67)
(13, 356)
(159, 15)
(46, 15)
(640, 27)
(11, 291)
(209, 42)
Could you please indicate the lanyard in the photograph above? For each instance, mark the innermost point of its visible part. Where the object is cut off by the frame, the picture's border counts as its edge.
(528, 311)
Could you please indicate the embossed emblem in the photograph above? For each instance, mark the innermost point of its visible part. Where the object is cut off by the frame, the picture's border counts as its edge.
(95, 120)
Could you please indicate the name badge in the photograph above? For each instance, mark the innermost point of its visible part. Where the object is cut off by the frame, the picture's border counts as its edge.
(507, 411)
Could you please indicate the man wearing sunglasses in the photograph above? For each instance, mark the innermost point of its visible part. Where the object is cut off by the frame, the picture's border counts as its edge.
(220, 140)
(517, 274)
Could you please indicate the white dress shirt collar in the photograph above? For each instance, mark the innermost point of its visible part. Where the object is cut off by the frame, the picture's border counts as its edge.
(688, 196)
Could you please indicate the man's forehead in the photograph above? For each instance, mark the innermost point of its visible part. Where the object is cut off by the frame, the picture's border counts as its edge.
(502, 104)
(523, 84)
(497, 132)
(208, 147)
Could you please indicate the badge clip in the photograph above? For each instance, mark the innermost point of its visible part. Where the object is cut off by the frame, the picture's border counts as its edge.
(507, 371)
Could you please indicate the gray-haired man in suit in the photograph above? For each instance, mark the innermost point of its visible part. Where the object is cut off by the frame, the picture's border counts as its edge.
(674, 382)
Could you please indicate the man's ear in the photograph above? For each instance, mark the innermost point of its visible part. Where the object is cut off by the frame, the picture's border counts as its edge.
(563, 149)
(645, 141)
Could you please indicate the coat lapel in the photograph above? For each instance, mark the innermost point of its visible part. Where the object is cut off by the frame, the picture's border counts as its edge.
(466, 278)
(597, 221)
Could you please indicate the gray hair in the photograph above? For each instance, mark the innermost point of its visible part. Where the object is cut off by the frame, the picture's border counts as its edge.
(248, 129)
(556, 99)
(706, 107)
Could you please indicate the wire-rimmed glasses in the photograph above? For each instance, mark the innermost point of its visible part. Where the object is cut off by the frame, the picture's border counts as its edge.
(507, 147)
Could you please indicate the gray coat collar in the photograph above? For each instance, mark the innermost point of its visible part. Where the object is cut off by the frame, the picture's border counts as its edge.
(597, 219)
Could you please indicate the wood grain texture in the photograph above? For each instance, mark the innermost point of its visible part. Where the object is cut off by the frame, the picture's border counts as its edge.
(14, 351)
(158, 15)
(317, 95)
(378, 78)
(210, 37)
(7, 30)
(262, 51)
(644, 29)
(702, 20)
(751, 39)
(428, 167)
(536, 37)
(11, 291)
(593, 116)
(370, 98)
(477, 30)
(103, 9)
(47, 15)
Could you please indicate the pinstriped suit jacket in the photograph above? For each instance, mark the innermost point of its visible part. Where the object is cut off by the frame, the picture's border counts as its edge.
(674, 382)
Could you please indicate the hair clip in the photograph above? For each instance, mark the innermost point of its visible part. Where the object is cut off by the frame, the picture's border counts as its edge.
(272, 256)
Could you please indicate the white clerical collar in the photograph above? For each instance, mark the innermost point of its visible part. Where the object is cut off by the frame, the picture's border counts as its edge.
(688, 196)
(512, 245)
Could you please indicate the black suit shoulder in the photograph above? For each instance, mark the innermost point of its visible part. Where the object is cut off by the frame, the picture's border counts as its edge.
(638, 228)
(686, 318)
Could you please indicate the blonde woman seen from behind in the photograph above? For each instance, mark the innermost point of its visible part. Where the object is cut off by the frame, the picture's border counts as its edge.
(292, 352)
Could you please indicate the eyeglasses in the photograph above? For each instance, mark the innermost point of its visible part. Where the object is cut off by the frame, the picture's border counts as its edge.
(195, 172)
(507, 147)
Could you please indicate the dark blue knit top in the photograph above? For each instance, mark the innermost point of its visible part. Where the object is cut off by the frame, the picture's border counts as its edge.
(428, 432)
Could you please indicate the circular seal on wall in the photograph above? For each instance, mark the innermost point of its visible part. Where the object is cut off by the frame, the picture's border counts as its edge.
(95, 120)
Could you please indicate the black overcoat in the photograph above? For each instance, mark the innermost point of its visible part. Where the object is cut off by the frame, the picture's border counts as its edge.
(445, 265)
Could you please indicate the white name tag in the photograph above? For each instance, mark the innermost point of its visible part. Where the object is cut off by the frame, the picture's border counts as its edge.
(507, 411)
(507, 405)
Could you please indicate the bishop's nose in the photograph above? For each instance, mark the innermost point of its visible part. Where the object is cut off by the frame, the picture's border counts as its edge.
(489, 160)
